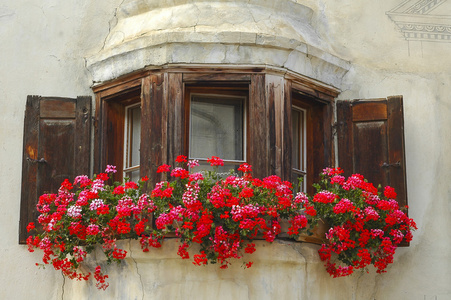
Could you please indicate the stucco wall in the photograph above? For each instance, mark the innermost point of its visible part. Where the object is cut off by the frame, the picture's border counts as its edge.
(43, 51)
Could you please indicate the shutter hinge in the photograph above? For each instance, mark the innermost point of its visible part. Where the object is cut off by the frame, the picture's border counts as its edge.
(396, 165)
(94, 121)
(41, 161)
(335, 127)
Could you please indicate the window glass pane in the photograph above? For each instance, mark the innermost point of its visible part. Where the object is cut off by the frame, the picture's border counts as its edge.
(295, 130)
(132, 141)
(302, 148)
(135, 134)
(133, 175)
(298, 181)
(217, 127)
(299, 149)
(298, 138)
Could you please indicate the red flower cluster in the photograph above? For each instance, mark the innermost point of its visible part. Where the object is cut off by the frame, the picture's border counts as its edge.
(87, 216)
(365, 228)
(241, 208)
(222, 215)
(215, 161)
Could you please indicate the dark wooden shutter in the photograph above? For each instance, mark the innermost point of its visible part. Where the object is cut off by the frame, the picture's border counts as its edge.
(371, 141)
(57, 137)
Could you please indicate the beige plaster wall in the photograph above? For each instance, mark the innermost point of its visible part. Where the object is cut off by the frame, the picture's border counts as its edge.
(48, 49)
(42, 50)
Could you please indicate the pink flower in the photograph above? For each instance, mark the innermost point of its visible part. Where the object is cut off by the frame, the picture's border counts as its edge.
(301, 198)
(196, 177)
(110, 169)
(193, 163)
(92, 229)
(371, 214)
(96, 203)
(343, 206)
(337, 179)
(74, 211)
(325, 197)
(332, 171)
(83, 180)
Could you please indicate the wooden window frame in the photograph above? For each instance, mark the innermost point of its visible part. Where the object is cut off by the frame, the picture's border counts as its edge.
(319, 139)
(165, 116)
(110, 128)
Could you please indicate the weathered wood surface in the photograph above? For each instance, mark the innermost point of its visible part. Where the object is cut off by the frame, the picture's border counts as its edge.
(371, 141)
(176, 118)
(56, 146)
(259, 141)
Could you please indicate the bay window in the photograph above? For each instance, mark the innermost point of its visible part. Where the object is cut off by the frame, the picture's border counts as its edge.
(278, 122)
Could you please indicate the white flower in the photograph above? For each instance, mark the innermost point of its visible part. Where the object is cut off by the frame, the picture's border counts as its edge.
(96, 203)
(74, 211)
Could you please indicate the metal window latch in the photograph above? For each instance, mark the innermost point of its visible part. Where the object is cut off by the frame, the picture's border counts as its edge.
(40, 161)
(396, 164)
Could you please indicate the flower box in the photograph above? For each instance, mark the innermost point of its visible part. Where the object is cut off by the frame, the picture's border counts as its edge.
(221, 216)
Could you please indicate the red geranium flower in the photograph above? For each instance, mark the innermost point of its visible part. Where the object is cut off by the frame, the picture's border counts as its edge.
(181, 159)
(163, 168)
(131, 185)
(246, 168)
(390, 193)
(215, 161)
(30, 226)
(119, 190)
(103, 176)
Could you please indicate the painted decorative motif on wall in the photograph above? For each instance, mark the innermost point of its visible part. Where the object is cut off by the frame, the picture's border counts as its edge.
(423, 20)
